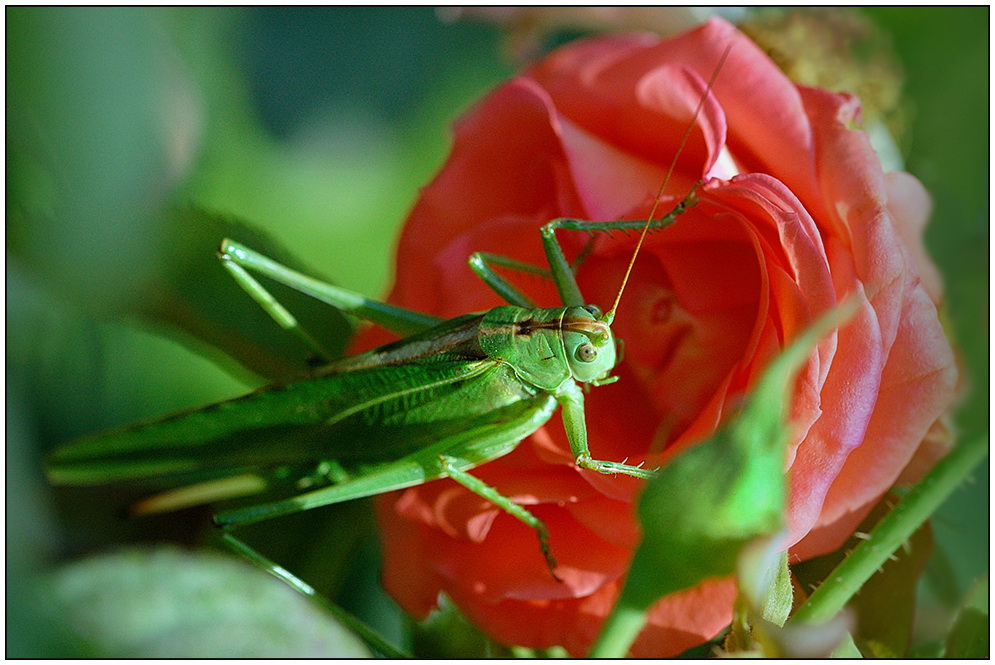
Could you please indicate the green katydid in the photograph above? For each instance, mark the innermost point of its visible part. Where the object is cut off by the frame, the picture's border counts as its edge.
(450, 396)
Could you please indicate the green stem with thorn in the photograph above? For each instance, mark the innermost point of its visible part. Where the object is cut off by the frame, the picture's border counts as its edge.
(891, 532)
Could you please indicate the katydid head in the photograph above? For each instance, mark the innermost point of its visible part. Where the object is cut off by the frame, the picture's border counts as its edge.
(589, 344)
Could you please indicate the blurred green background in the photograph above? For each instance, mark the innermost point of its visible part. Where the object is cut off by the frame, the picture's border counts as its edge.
(318, 126)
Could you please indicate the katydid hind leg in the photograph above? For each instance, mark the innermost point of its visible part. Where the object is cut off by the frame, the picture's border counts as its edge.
(397, 475)
(240, 261)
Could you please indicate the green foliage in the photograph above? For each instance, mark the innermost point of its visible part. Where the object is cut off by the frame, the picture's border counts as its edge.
(87, 139)
(969, 637)
(944, 51)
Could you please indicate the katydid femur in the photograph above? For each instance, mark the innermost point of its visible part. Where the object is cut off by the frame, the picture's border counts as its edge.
(450, 396)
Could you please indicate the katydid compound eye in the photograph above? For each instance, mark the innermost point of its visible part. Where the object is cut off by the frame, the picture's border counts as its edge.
(594, 310)
(586, 353)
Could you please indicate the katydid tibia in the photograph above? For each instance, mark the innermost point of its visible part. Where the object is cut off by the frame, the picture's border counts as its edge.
(450, 396)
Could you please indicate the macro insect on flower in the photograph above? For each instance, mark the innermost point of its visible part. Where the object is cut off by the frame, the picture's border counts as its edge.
(794, 216)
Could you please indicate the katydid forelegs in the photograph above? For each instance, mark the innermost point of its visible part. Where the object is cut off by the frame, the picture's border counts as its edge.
(561, 271)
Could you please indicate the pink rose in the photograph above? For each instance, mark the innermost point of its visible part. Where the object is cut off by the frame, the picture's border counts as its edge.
(796, 215)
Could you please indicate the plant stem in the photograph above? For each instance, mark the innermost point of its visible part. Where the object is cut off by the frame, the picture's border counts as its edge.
(619, 632)
(891, 532)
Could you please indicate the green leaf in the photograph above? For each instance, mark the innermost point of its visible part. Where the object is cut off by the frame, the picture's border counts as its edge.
(778, 601)
(169, 603)
(764, 578)
(969, 637)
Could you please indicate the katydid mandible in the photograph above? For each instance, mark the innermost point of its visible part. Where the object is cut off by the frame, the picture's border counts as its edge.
(450, 396)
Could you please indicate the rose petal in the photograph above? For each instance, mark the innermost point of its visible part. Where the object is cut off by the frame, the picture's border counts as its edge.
(910, 206)
(500, 567)
(686, 619)
(918, 384)
(507, 160)
(852, 383)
